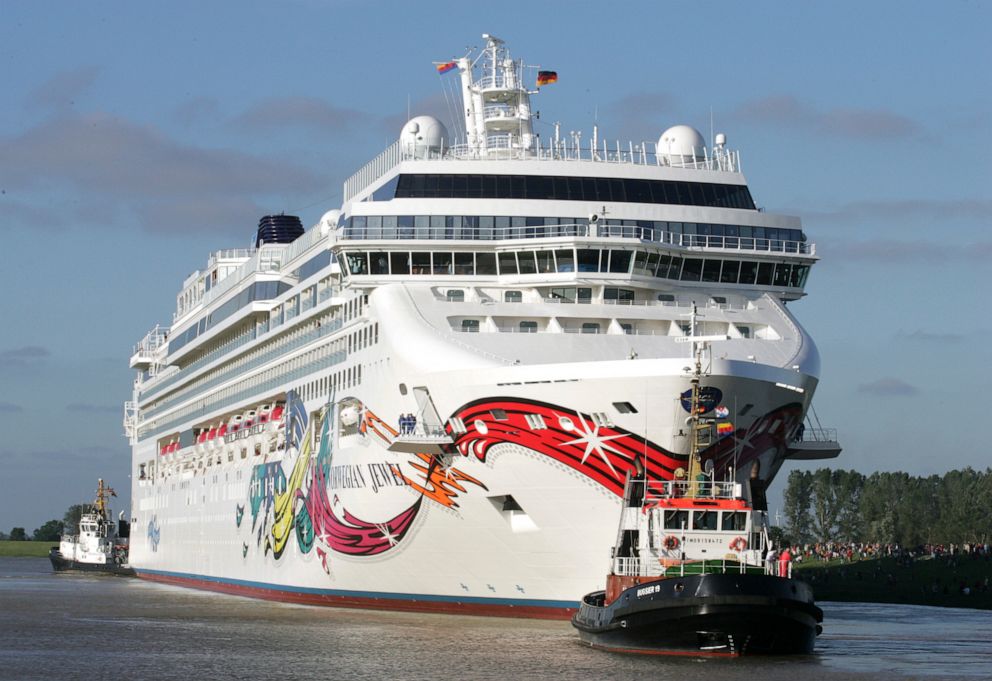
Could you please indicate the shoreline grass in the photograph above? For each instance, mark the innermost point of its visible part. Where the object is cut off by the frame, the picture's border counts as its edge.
(26, 549)
(925, 581)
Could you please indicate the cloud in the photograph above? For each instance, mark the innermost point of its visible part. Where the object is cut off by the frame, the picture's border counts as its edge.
(124, 172)
(787, 110)
(10, 408)
(642, 113)
(197, 109)
(922, 336)
(888, 387)
(434, 105)
(898, 252)
(61, 91)
(23, 355)
(86, 408)
(302, 112)
(926, 210)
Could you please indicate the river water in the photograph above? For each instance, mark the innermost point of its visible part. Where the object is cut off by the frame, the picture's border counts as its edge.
(88, 627)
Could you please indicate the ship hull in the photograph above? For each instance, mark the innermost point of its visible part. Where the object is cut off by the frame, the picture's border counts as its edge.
(60, 564)
(513, 521)
(707, 615)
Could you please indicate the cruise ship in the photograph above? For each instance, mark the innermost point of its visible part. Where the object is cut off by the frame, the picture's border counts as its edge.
(430, 399)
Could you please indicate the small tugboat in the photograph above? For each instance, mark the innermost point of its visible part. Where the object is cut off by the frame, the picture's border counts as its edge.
(99, 546)
(689, 574)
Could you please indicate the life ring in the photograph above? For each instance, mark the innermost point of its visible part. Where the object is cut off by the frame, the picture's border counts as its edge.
(671, 542)
(739, 544)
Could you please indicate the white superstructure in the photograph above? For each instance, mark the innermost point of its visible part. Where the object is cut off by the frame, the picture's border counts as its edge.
(527, 301)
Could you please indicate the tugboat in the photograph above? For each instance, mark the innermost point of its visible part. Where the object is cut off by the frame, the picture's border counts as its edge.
(690, 574)
(100, 545)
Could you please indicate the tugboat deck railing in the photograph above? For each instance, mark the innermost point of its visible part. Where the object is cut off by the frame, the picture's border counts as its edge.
(638, 567)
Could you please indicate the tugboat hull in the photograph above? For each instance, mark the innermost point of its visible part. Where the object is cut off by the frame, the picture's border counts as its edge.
(715, 614)
(60, 564)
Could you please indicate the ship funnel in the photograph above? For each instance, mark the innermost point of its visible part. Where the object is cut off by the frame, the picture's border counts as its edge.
(278, 229)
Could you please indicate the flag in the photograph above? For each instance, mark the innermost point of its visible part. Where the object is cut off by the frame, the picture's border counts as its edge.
(724, 428)
(546, 77)
(444, 68)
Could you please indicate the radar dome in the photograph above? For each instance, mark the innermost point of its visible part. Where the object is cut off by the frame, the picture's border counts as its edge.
(681, 142)
(423, 134)
(329, 221)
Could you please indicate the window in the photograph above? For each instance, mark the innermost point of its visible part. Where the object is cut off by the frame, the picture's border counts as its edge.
(470, 325)
(528, 327)
(601, 419)
(731, 269)
(704, 520)
(513, 297)
(358, 263)
(499, 415)
(442, 263)
(507, 263)
(464, 263)
(744, 331)
(625, 407)
(566, 260)
(676, 520)
(734, 521)
(588, 260)
(400, 263)
(545, 262)
(420, 263)
(765, 270)
(666, 298)
(711, 270)
(627, 328)
(620, 295)
(485, 263)
(620, 261)
(379, 263)
(569, 189)
(590, 327)
(692, 270)
(528, 264)
(456, 295)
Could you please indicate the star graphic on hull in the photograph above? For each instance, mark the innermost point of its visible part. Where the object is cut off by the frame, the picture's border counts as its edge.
(387, 535)
(595, 443)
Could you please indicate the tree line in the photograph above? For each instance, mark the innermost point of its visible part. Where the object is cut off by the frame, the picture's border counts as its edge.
(892, 508)
(53, 529)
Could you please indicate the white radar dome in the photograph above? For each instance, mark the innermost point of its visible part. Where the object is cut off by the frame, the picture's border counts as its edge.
(329, 221)
(422, 135)
(681, 143)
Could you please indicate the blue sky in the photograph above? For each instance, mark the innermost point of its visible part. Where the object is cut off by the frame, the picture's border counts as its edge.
(135, 139)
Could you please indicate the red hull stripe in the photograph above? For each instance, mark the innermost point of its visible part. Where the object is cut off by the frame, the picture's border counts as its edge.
(490, 607)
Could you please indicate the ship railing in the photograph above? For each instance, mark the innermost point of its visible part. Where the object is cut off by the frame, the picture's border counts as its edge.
(230, 254)
(653, 567)
(152, 341)
(816, 435)
(689, 242)
(657, 490)
(266, 259)
(571, 148)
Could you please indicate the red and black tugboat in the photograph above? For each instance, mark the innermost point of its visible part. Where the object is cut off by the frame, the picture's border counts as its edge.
(689, 575)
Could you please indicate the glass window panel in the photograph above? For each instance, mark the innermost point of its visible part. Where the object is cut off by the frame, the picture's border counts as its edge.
(590, 327)
(485, 263)
(470, 325)
(676, 520)
(704, 520)
(399, 263)
(749, 272)
(456, 295)
(442, 263)
(420, 262)
(583, 295)
(379, 263)
(358, 263)
(513, 296)
(588, 260)
(566, 259)
(641, 262)
(620, 261)
(545, 261)
(528, 327)
(527, 262)
(692, 270)
(765, 270)
(730, 272)
(783, 271)
(675, 268)
(711, 270)
(507, 263)
(464, 263)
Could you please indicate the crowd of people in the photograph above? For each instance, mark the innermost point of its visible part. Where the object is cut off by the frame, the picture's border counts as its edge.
(408, 424)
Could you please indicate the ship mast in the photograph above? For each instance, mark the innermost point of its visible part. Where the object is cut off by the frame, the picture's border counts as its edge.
(701, 432)
(102, 494)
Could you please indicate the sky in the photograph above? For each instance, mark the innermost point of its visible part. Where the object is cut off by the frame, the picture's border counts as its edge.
(136, 138)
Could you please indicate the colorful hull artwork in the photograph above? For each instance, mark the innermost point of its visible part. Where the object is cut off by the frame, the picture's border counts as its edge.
(295, 500)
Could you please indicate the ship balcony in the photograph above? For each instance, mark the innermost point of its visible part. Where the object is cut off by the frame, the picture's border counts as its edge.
(423, 440)
(813, 444)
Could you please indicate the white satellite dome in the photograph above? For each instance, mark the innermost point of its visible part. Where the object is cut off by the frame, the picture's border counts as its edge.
(329, 221)
(423, 134)
(681, 142)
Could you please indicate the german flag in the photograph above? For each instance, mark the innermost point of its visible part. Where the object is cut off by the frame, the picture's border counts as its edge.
(546, 77)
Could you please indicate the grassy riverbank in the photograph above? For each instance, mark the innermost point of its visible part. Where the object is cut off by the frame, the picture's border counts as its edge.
(25, 549)
(926, 581)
